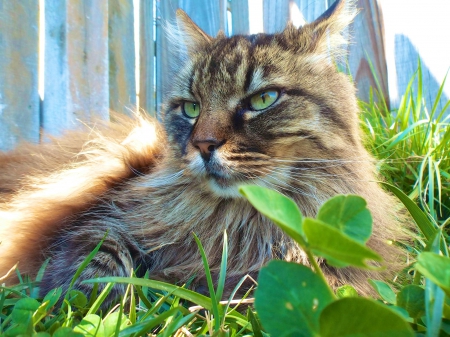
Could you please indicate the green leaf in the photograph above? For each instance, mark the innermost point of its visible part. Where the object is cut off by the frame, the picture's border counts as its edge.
(384, 290)
(412, 298)
(362, 317)
(22, 315)
(436, 268)
(349, 214)
(422, 221)
(278, 208)
(91, 325)
(339, 249)
(77, 298)
(254, 321)
(290, 298)
(40, 313)
(346, 291)
(52, 297)
(111, 321)
(66, 332)
(24, 310)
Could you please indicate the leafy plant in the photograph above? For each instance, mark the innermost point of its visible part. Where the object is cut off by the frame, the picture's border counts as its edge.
(293, 300)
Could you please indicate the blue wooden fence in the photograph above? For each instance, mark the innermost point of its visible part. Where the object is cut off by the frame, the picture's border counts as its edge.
(102, 55)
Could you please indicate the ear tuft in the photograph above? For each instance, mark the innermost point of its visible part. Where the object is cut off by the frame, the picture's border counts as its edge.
(329, 33)
(191, 35)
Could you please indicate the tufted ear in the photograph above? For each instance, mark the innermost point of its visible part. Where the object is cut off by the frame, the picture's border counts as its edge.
(327, 36)
(189, 34)
(329, 29)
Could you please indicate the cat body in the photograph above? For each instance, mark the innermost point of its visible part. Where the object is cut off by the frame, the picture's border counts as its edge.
(264, 109)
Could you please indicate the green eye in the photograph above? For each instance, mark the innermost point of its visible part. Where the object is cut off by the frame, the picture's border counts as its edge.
(263, 99)
(191, 109)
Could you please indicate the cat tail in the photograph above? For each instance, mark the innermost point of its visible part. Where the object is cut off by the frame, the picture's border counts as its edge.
(67, 183)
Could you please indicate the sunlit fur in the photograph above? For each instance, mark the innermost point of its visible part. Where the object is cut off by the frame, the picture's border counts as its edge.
(151, 191)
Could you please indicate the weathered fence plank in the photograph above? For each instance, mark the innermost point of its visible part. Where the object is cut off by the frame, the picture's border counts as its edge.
(240, 17)
(275, 15)
(19, 98)
(310, 10)
(210, 16)
(146, 58)
(367, 46)
(421, 31)
(90, 55)
(76, 63)
(122, 84)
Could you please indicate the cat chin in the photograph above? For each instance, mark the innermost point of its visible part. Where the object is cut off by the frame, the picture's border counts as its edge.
(227, 191)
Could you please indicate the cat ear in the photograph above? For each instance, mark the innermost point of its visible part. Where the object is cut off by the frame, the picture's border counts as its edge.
(191, 35)
(328, 34)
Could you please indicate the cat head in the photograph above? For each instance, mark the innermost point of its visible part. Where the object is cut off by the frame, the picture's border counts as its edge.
(248, 109)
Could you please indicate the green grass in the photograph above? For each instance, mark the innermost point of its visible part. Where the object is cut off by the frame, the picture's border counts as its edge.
(412, 146)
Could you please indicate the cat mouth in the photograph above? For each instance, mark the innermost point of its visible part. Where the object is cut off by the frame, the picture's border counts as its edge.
(222, 183)
(221, 179)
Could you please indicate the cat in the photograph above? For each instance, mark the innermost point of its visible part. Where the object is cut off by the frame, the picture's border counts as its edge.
(266, 109)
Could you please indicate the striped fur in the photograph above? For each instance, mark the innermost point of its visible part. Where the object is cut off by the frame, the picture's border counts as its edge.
(150, 188)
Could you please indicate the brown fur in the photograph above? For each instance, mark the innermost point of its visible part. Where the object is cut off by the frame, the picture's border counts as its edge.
(151, 191)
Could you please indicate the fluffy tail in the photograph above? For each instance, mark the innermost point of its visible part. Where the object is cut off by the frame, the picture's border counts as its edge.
(45, 185)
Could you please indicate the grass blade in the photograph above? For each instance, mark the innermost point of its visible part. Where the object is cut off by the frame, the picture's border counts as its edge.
(223, 268)
(186, 294)
(98, 302)
(426, 226)
(84, 264)
(214, 302)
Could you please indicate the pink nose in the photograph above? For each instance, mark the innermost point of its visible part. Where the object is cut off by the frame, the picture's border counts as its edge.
(206, 147)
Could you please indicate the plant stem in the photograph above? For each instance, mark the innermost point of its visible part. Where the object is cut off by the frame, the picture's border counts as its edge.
(318, 270)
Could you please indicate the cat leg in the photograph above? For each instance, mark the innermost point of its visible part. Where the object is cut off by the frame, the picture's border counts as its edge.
(114, 258)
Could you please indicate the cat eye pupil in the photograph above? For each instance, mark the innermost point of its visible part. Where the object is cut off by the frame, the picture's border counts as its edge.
(191, 109)
(263, 99)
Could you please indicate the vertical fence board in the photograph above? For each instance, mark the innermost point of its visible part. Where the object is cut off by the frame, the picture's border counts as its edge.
(275, 15)
(422, 31)
(19, 99)
(76, 63)
(310, 10)
(367, 46)
(240, 17)
(122, 90)
(147, 58)
(90, 61)
(209, 15)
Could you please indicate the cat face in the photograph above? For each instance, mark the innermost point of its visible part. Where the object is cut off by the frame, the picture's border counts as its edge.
(244, 109)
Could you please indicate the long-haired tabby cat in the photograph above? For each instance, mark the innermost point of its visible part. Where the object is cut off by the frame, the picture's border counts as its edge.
(263, 109)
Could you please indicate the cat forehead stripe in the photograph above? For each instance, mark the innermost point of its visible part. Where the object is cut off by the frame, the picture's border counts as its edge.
(257, 80)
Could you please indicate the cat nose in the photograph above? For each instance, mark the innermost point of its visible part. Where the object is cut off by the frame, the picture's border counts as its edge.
(207, 147)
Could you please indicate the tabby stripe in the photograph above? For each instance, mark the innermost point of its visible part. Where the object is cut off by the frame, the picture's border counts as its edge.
(191, 81)
(112, 254)
(244, 158)
(305, 134)
(325, 111)
(248, 77)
